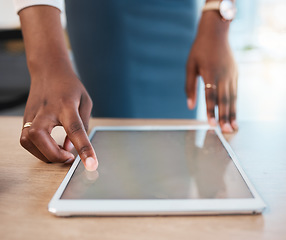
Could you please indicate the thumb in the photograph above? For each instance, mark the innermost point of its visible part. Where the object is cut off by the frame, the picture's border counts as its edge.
(191, 84)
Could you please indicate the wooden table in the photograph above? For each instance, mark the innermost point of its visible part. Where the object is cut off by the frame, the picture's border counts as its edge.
(27, 185)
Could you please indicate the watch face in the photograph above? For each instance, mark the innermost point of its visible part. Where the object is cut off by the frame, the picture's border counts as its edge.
(227, 9)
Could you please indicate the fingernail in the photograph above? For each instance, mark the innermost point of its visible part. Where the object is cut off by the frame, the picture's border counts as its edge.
(190, 103)
(91, 164)
(70, 160)
(212, 122)
(70, 157)
(234, 125)
(226, 127)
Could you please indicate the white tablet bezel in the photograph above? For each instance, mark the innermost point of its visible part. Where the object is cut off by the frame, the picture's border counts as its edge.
(70, 207)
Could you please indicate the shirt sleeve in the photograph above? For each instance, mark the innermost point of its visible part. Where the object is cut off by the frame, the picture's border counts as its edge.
(21, 4)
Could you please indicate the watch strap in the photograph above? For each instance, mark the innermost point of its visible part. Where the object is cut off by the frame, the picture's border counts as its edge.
(212, 5)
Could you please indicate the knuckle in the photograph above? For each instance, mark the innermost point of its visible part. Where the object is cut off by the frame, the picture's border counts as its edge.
(220, 73)
(24, 141)
(233, 97)
(224, 100)
(66, 101)
(232, 115)
(224, 118)
(34, 132)
(211, 96)
(87, 101)
(212, 72)
(84, 150)
(211, 112)
(66, 104)
(75, 128)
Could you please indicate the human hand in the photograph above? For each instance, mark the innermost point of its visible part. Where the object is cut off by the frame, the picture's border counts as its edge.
(58, 99)
(212, 59)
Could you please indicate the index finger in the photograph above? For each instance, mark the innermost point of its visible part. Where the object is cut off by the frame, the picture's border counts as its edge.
(75, 130)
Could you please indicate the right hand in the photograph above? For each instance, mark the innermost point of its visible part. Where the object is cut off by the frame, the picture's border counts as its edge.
(59, 99)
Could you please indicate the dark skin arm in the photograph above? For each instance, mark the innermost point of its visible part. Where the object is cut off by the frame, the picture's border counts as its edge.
(57, 97)
(211, 58)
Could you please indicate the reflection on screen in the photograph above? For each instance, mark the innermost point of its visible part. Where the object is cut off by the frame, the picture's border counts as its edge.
(180, 164)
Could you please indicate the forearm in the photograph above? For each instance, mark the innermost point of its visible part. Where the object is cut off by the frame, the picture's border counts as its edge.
(44, 40)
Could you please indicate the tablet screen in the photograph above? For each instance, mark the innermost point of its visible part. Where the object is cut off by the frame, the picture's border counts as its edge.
(156, 164)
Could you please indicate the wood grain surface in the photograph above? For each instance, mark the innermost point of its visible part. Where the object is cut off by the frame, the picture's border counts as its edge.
(27, 185)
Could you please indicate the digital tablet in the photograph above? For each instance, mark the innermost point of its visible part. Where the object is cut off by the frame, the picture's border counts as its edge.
(157, 170)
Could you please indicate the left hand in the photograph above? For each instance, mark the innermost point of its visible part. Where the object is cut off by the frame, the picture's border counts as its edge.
(212, 59)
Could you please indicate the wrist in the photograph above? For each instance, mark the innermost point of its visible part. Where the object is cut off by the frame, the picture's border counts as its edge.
(212, 25)
(48, 65)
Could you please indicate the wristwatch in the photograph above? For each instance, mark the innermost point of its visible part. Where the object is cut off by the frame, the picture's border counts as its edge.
(226, 8)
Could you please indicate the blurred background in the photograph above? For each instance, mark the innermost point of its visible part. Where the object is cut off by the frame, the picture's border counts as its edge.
(257, 37)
